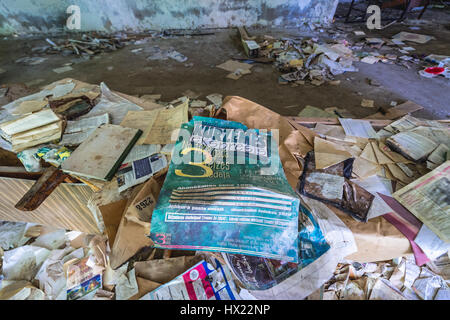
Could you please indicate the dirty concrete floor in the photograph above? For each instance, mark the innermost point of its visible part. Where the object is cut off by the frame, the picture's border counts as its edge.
(133, 74)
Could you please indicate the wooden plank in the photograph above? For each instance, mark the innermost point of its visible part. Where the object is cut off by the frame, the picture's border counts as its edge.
(44, 186)
(18, 172)
(397, 111)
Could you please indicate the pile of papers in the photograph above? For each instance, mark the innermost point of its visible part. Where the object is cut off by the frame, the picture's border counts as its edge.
(225, 199)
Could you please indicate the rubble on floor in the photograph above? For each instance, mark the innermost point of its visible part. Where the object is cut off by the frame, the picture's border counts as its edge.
(141, 198)
(317, 61)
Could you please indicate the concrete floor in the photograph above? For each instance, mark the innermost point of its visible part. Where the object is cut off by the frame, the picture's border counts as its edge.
(133, 74)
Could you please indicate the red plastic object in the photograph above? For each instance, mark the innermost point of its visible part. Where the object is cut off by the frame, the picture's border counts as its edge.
(435, 70)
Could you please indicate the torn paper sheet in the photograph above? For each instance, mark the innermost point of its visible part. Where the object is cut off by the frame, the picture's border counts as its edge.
(313, 112)
(27, 107)
(215, 99)
(427, 288)
(158, 125)
(358, 128)
(232, 65)
(375, 185)
(192, 285)
(78, 131)
(430, 243)
(441, 266)
(52, 240)
(23, 262)
(127, 286)
(328, 153)
(383, 290)
(414, 37)
(12, 234)
(21, 290)
(438, 156)
(139, 171)
(142, 120)
(331, 186)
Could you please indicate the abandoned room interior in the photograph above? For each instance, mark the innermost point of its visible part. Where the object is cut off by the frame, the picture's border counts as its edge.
(224, 150)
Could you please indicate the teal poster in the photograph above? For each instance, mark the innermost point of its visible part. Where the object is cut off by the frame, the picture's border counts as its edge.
(226, 191)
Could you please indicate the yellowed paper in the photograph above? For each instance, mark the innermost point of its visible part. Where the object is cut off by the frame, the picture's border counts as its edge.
(364, 168)
(167, 121)
(328, 153)
(29, 107)
(368, 154)
(380, 156)
(142, 120)
(427, 199)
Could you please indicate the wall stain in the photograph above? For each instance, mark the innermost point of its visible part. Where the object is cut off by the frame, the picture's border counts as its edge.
(41, 16)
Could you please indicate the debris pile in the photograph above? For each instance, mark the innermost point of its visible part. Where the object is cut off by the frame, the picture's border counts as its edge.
(89, 45)
(137, 198)
(315, 61)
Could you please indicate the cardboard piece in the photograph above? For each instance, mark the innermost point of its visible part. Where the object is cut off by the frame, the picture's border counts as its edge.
(112, 214)
(397, 111)
(377, 239)
(291, 141)
(132, 233)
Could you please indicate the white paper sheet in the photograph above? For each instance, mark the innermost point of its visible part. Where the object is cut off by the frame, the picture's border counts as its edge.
(430, 243)
(358, 128)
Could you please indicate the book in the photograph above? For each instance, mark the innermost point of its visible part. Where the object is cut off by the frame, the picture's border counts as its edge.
(101, 154)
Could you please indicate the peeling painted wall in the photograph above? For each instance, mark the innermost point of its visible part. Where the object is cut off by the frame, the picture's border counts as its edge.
(36, 16)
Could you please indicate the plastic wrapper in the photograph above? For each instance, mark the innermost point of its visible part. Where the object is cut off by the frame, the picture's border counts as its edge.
(204, 281)
(321, 229)
(30, 160)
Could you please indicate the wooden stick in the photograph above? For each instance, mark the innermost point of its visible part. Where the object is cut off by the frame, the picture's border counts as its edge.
(41, 189)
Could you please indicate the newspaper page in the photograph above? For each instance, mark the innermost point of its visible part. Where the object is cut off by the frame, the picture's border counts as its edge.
(428, 199)
(201, 282)
(226, 191)
(139, 171)
(78, 131)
